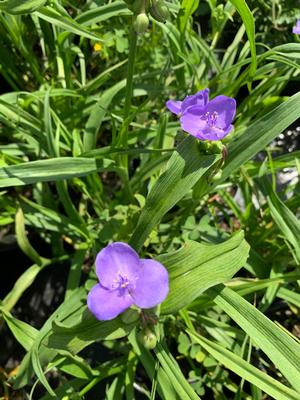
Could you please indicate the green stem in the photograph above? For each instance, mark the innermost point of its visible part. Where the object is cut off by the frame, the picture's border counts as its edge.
(125, 179)
(128, 95)
(130, 70)
(123, 135)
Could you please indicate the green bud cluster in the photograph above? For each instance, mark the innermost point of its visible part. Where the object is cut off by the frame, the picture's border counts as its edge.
(141, 9)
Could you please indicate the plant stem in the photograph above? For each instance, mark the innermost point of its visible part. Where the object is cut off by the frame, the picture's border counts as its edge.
(130, 70)
(123, 138)
(123, 135)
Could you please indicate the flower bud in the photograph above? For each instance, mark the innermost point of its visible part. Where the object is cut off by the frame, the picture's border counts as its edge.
(217, 176)
(141, 23)
(215, 147)
(159, 11)
(147, 338)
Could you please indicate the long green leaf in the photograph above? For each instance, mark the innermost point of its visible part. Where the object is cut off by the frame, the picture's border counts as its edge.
(103, 13)
(97, 114)
(289, 295)
(69, 309)
(184, 169)
(174, 373)
(24, 333)
(50, 170)
(46, 219)
(39, 371)
(164, 385)
(245, 370)
(283, 217)
(259, 134)
(22, 239)
(21, 6)
(186, 10)
(21, 284)
(77, 337)
(67, 23)
(280, 347)
(198, 266)
(248, 21)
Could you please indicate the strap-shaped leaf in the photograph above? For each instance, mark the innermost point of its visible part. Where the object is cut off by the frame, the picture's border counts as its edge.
(280, 347)
(77, 337)
(245, 370)
(198, 266)
(283, 217)
(184, 169)
(172, 370)
(53, 169)
(24, 333)
(248, 21)
(65, 22)
(21, 6)
(261, 133)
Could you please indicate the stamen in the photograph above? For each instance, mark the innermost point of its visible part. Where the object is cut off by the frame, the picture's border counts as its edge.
(211, 118)
(120, 282)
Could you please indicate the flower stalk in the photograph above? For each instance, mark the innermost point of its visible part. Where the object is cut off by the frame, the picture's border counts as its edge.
(123, 133)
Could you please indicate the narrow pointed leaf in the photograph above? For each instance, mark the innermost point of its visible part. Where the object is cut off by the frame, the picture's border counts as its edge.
(245, 370)
(249, 23)
(67, 23)
(184, 169)
(53, 169)
(280, 347)
(21, 6)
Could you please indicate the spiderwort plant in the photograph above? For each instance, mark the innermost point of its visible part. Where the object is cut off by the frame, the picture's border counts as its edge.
(124, 280)
(203, 118)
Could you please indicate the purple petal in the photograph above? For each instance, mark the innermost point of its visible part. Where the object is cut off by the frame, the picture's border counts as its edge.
(153, 285)
(107, 304)
(174, 106)
(198, 99)
(115, 261)
(214, 133)
(296, 29)
(225, 107)
(192, 122)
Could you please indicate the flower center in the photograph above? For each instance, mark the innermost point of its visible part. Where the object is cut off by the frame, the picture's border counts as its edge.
(210, 118)
(121, 282)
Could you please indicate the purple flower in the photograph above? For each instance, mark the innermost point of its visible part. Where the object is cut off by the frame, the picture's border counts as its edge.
(124, 280)
(204, 119)
(296, 29)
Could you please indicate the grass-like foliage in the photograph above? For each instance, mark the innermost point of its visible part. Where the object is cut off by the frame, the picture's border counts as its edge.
(90, 155)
